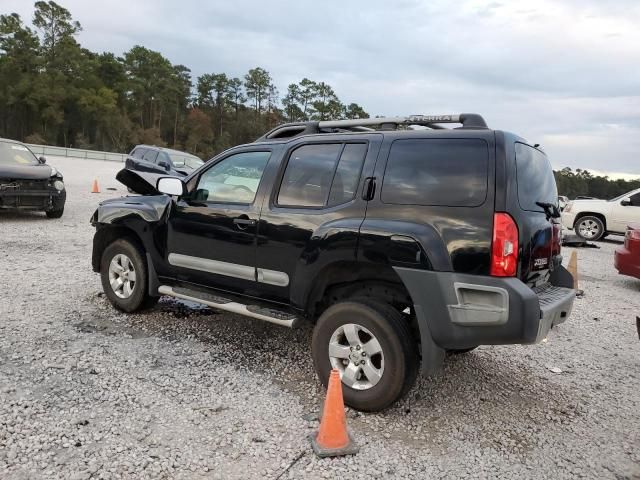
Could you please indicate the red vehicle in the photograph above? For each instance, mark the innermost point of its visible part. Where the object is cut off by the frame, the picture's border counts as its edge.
(627, 257)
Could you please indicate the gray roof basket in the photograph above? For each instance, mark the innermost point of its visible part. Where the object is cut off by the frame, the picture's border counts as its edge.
(288, 130)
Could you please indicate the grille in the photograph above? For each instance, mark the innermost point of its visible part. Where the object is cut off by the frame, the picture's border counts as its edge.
(23, 184)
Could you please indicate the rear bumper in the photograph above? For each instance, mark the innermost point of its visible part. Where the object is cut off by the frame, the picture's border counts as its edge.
(626, 262)
(462, 311)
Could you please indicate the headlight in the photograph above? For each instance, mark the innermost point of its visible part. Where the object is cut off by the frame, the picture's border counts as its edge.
(58, 185)
(53, 171)
(568, 208)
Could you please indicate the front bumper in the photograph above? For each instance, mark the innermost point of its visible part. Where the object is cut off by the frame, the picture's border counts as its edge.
(462, 311)
(568, 219)
(49, 199)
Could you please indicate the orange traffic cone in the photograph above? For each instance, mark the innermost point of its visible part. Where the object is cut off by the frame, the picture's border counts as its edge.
(333, 439)
(95, 188)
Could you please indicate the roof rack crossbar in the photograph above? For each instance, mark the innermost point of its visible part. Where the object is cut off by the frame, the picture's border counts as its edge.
(468, 120)
(289, 130)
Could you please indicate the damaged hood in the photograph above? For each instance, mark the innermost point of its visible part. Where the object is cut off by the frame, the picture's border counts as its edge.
(143, 183)
(26, 172)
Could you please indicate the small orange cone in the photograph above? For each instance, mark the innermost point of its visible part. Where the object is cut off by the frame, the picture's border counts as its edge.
(95, 188)
(333, 439)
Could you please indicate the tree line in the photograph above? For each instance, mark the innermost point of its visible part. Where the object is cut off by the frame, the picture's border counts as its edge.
(581, 182)
(54, 91)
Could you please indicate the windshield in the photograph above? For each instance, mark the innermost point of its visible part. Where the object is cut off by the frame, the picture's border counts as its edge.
(16, 154)
(185, 161)
(628, 194)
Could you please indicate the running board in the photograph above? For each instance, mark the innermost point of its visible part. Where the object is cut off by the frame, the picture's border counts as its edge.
(261, 313)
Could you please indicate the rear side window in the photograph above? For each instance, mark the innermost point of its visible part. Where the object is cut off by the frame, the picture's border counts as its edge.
(321, 175)
(535, 179)
(438, 172)
(138, 153)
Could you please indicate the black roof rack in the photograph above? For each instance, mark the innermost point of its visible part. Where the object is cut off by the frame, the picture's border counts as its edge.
(288, 130)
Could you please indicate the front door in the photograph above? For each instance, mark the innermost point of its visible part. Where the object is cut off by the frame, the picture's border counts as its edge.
(212, 230)
(625, 212)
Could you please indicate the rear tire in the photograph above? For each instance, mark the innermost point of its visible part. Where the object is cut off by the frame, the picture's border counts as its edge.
(393, 370)
(123, 272)
(461, 351)
(589, 228)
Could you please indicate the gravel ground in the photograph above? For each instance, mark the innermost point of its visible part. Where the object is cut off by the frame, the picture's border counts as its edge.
(188, 392)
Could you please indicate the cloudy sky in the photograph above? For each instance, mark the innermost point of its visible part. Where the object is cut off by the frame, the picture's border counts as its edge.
(565, 74)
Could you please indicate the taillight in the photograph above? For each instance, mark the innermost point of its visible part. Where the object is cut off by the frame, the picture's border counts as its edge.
(556, 247)
(633, 234)
(504, 248)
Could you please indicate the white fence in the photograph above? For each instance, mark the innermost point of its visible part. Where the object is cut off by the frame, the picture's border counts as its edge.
(77, 153)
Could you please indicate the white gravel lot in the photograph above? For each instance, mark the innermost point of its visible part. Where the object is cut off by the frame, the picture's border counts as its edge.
(181, 392)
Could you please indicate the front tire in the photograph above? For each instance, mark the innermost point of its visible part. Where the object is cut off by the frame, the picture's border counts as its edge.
(123, 272)
(55, 213)
(589, 228)
(372, 346)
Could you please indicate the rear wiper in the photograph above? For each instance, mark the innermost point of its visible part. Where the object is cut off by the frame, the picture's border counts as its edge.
(550, 209)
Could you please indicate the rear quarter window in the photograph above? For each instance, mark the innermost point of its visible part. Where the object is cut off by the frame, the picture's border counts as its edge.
(534, 178)
(437, 172)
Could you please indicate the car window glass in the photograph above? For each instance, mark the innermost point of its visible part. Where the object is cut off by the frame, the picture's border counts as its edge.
(534, 178)
(150, 156)
(234, 179)
(16, 154)
(635, 200)
(138, 153)
(308, 176)
(345, 180)
(446, 172)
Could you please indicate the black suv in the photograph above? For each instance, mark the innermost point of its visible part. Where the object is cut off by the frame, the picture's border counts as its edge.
(148, 158)
(398, 238)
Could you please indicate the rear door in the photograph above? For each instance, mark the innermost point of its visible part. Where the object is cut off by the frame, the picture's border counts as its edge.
(539, 231)
(314, 213)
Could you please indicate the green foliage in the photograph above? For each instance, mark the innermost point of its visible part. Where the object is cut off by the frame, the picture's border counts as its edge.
(582, 182)
(54, 91)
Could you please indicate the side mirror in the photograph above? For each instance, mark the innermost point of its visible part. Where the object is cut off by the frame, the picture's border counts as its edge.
(625, 203)
(171, 186)
(164, 165)
(42, 159)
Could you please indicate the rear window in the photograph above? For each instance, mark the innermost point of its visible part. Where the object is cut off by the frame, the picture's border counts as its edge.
(438, 172)
(535, 179)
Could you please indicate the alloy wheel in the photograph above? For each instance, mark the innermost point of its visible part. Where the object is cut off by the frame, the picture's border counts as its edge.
(122, 276)
(356, 353)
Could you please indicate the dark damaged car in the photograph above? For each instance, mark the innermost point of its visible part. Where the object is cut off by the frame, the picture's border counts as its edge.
(27, 183)
(399, 239)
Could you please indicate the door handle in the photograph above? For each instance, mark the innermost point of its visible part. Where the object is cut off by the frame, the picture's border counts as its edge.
(369, 188)
(243, 223)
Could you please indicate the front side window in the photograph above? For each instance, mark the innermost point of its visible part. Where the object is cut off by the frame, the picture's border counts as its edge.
(438, 172)
(321, 175)
(234, 179)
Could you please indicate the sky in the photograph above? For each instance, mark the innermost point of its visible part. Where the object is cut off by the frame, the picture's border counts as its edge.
(562, 73)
